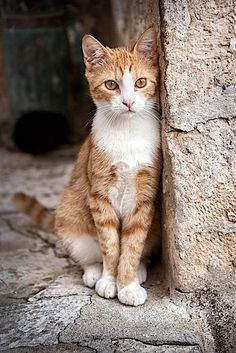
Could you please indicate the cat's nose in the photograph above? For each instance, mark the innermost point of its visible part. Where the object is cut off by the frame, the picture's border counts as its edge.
(128, 103)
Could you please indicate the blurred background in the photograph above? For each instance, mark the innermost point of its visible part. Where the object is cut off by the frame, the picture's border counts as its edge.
(44, 97)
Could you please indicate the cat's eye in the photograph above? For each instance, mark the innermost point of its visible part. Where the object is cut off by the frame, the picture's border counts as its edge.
(111, 85)
(141, 82)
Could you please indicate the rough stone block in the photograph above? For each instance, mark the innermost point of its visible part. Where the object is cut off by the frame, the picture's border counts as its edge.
(198, 97)
(38, 323)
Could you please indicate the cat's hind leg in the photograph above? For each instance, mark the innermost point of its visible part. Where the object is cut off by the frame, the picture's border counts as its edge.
(85, 250)
(142, 272)
(92, 274)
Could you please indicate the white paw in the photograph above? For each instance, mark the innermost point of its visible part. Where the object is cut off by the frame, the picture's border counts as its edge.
(106, 288)
(133, 294)
(142, 273)
(92, 274)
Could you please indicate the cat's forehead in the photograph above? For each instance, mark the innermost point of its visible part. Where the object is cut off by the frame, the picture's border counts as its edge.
(122, 60)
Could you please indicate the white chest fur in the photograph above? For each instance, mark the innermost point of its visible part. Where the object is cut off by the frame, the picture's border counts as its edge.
(123, 193)
(131, 145)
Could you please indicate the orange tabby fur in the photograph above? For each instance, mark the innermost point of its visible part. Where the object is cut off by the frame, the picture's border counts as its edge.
(85, 209)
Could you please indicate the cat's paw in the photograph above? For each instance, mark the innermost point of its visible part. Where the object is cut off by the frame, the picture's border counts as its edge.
(106, 288)
(142, 273)
(133, 294)
(92, 274)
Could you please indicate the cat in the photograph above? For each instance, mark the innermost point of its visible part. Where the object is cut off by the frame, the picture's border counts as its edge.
(108, 216)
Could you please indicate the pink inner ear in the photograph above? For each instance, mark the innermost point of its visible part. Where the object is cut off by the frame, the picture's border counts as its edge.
(92, 53)
(151, 43)
(147, 45)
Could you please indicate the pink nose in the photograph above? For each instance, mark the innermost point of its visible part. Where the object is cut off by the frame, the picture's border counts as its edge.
(128, 103)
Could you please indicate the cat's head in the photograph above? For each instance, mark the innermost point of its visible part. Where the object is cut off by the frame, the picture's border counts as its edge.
(122, 80)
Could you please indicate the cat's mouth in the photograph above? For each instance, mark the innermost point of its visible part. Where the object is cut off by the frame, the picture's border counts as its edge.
(128, 113)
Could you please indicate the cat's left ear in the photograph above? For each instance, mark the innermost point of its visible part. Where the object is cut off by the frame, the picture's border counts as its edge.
(146, 45)
(94, 52)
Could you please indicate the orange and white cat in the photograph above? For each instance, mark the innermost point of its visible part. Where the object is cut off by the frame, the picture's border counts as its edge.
(109, 214)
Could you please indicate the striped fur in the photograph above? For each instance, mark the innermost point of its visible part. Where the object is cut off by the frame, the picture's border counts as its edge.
(31, 207)
(108, 216)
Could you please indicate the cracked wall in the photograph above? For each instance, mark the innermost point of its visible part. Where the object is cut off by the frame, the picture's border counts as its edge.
(198, 81)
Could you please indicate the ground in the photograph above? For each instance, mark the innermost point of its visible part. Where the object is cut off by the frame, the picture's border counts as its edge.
(46, 308)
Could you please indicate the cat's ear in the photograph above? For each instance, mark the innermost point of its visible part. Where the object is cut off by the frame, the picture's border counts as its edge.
(146, 46)
(94, 52)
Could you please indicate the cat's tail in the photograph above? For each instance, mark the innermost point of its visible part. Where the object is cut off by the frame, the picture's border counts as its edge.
(31, 207)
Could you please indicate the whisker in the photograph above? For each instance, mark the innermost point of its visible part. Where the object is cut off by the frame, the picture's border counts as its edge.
(87, 123)
(147, 114)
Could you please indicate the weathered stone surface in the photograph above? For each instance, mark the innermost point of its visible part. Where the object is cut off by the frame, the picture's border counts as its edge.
(200, 76)
(58, 348)
(27, 263)
(38, 323)
(199, 225)
(132, 346)
(219, 307)
(160, 321)
(119, 346)
(199, 166)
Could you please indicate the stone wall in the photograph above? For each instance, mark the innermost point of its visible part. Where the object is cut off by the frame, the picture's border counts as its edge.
(198, 81)
(199, 141)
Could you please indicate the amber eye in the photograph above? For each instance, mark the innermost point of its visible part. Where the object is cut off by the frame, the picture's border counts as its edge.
(141, 82)
(110, 84)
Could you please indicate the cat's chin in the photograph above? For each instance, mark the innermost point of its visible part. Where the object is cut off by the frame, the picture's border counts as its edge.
(128, 114)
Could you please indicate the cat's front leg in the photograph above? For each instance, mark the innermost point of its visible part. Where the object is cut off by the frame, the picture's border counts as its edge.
(135, 227)
(131, 273)
(107, 225)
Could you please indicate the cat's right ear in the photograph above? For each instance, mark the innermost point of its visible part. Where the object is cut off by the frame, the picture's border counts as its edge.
(94, 52)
